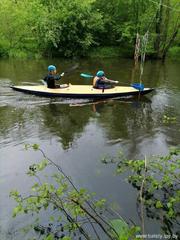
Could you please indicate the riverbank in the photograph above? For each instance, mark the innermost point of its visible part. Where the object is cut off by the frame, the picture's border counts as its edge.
(126, 52)
(96, 52)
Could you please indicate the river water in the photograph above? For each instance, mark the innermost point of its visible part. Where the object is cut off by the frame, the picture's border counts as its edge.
(77, 133)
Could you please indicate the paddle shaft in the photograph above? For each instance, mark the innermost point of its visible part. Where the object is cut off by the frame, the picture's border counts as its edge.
(71, 69)
(110, 81)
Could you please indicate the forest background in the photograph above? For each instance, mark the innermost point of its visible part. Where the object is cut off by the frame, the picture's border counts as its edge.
(68, 28)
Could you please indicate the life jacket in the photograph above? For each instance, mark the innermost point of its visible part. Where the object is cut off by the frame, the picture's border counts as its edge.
(100, 84)
(50, 80)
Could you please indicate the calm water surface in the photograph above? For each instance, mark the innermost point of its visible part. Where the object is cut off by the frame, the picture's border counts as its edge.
(77, 133)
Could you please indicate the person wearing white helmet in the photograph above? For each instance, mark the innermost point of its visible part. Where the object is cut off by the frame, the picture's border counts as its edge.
(101, 82)
(52, 76)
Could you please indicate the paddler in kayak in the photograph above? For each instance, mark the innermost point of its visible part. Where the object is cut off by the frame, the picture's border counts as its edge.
(52, 76)
(101, 82)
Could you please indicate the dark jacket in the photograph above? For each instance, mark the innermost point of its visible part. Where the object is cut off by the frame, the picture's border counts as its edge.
(50, 80)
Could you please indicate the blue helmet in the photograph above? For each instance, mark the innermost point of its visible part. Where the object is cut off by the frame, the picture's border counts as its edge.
(51, 68)
(100, 74)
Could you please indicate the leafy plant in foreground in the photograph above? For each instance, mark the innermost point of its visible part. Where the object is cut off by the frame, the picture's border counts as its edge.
(75, 212)
(157, 180)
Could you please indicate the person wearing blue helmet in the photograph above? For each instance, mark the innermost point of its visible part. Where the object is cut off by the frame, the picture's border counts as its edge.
(101, 82)
(52, 76)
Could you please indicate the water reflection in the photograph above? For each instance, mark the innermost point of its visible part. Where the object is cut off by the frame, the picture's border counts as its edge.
(65, 122)
(130, 119)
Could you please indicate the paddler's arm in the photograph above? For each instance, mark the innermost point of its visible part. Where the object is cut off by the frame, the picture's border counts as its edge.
(58, 77)
(110, 81)
(94, 81)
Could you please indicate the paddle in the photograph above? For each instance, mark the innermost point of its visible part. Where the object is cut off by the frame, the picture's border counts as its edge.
(68, 70)
(138, 86)
(85, 75)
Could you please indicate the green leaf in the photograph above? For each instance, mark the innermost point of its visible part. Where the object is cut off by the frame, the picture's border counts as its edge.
(67, 238)
(42, 164)
(169, 205)
(17, 210)
(35, 147)
(121, 228)
(159, 204)
(51, 218)
(171, 213)
(49, 237)
(100, 203)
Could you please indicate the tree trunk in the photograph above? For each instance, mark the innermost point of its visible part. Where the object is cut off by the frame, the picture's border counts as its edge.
(158, 29)
(166, 48)
(166, 17)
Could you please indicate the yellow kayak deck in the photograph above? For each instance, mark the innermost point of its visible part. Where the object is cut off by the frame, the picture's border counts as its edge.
(82, 91)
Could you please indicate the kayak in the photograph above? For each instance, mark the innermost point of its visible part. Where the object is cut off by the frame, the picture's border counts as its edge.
(82, 91)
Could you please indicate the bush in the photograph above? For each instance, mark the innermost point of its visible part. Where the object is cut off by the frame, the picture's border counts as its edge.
(174, 52)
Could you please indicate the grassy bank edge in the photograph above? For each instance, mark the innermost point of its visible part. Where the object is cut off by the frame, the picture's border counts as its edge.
(97, 52)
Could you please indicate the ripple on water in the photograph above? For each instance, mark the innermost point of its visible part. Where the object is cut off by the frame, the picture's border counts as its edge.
(9, 97)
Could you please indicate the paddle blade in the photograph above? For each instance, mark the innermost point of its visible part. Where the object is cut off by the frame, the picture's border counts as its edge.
(138, 86)
(86, 75)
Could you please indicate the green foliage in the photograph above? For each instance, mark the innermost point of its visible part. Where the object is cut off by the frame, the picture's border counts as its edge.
(76, 23)
(75, 27)
(64, 28)
(157, 179)
(174, 52)
(167, 119)
(49, 237)
(67, 238)
(19, 20)
(121, 228)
